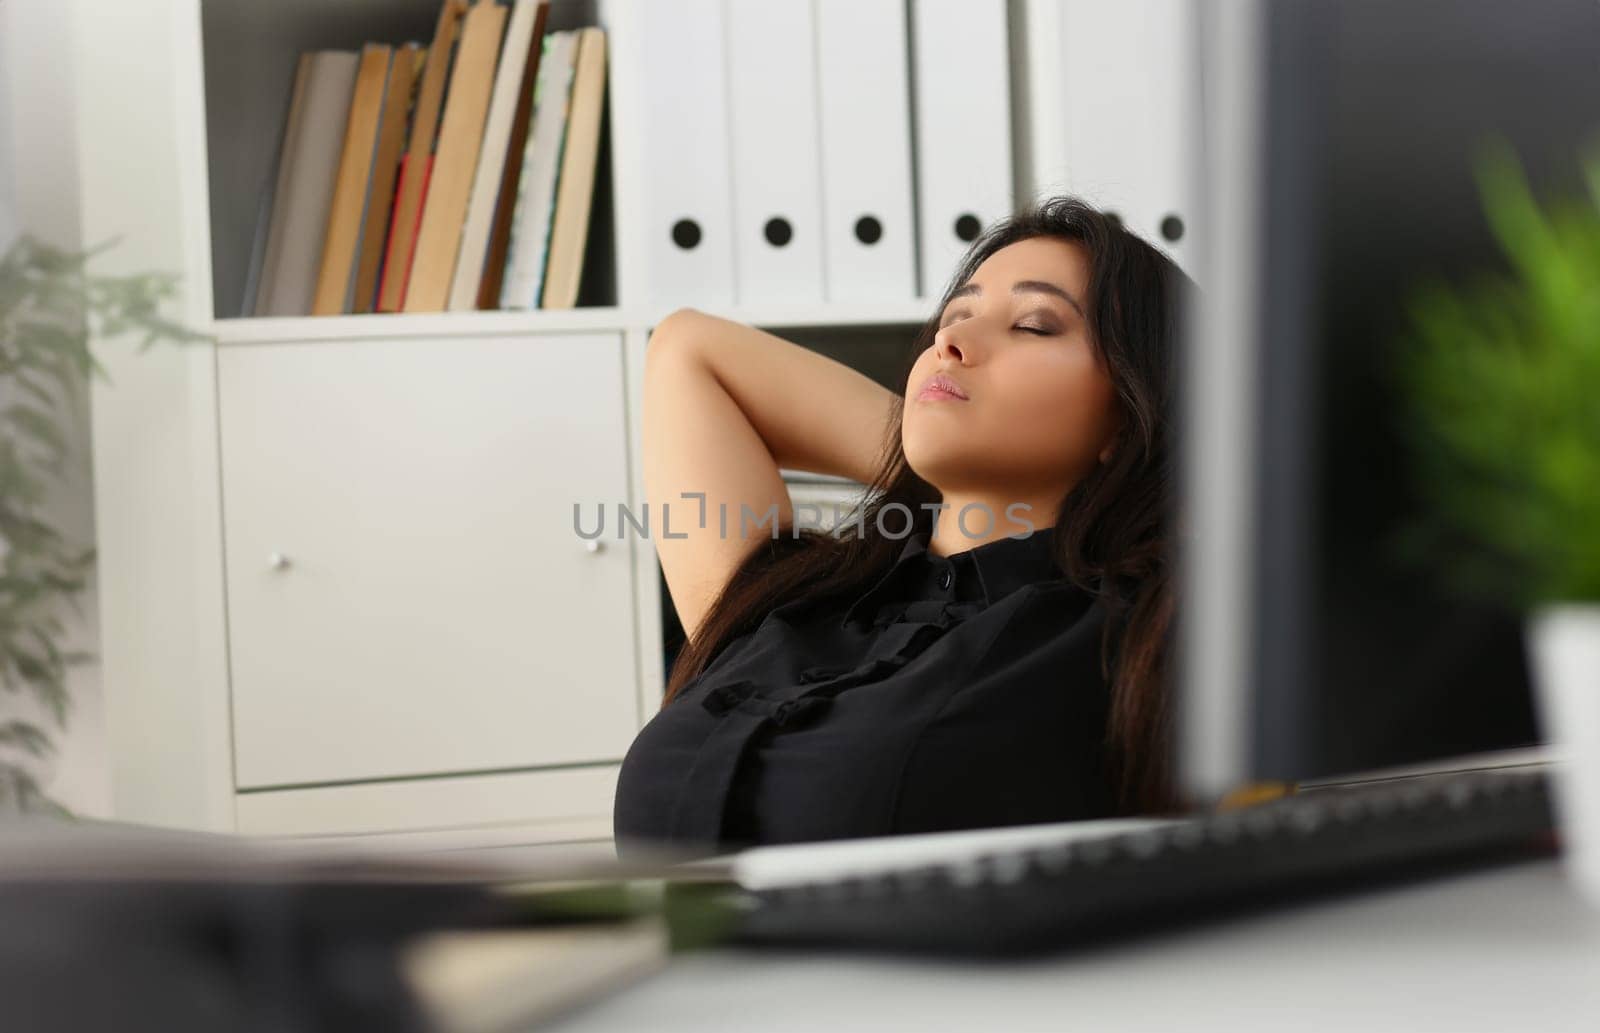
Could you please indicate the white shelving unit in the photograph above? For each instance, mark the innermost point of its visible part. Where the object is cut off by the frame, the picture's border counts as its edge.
(339, 597)
(579, 320)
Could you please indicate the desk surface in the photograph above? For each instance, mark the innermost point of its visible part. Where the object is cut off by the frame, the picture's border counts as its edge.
(1509, 948)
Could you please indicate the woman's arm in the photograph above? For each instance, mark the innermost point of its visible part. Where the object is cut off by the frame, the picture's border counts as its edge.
(725, 406)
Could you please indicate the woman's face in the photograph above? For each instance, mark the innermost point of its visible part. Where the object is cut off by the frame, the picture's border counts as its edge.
(1040, 410)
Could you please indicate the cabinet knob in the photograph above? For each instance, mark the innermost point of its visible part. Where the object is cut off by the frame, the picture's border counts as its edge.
(278, 561)
(594, 545)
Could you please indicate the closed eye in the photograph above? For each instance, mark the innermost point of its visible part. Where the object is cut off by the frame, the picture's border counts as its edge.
(1041, 331)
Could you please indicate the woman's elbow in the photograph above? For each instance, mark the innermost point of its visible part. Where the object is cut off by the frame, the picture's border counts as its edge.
(668, 338)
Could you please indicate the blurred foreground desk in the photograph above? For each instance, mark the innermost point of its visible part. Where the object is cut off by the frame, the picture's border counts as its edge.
(1502, 949)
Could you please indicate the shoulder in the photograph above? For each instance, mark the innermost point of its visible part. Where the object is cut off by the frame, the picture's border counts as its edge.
(1053, 616)
(1058, 597)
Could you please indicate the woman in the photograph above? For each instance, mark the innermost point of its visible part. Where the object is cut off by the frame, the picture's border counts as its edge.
(988, 642)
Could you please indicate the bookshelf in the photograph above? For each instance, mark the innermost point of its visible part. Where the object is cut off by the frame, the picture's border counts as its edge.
(844, 317)
(205, 455)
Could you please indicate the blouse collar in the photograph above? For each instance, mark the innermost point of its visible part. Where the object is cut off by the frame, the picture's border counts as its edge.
(986, 573)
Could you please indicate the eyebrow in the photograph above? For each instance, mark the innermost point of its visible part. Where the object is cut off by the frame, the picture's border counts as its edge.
(1020, 287)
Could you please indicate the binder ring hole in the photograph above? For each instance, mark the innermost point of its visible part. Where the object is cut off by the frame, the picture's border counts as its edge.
(869, 230)
(686, 234)
(968, 227)
(778, 231)
(1172, 228)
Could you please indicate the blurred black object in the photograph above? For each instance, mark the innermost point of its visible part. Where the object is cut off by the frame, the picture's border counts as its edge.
(105, 927)
(181, 955)
(1372, 115)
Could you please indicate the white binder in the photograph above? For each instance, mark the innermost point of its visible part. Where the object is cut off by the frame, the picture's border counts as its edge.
(687, 212)
(866, 150)
(777, 179)
(1127, 139)
(961, 83)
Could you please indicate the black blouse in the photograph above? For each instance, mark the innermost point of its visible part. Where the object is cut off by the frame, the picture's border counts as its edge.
(956, 692)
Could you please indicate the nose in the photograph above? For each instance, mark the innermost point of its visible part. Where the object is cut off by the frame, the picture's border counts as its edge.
(946, 347)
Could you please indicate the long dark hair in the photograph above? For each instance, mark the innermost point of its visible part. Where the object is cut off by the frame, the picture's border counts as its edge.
(1116, 533)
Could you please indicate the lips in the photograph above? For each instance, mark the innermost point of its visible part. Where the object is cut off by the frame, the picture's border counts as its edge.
(941, 385)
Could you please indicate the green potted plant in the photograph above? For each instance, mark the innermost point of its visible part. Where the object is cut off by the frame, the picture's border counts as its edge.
(1503, 380)
(48, 304)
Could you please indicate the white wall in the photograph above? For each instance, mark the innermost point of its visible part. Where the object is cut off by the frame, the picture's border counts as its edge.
(8, 188)
(39, 195)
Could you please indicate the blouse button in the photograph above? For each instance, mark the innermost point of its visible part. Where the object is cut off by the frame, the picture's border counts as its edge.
(945, 579)
(724, 698)
(795, 710)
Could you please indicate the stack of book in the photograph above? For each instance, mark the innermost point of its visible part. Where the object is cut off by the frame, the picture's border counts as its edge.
(451, 177)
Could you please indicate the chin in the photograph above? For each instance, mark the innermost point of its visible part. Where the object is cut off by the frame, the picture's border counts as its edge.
(939, 465)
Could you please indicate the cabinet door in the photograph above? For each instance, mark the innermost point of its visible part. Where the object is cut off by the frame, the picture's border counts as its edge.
(407, 594)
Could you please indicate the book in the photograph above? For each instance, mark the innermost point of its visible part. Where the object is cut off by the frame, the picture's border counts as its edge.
(456, 161)
(398, 103)
(512, 81)
(494, 980)
(541, 162)
(569, 230)
(494, 262)
(347, 210)
(308, 168)
(459, 942)
(269, 246)
(412, 188)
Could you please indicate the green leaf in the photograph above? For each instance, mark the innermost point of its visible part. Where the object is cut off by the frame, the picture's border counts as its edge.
(52, 304)
(37, 426)
(20, 793)
(28, 738)
(1502, 376)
